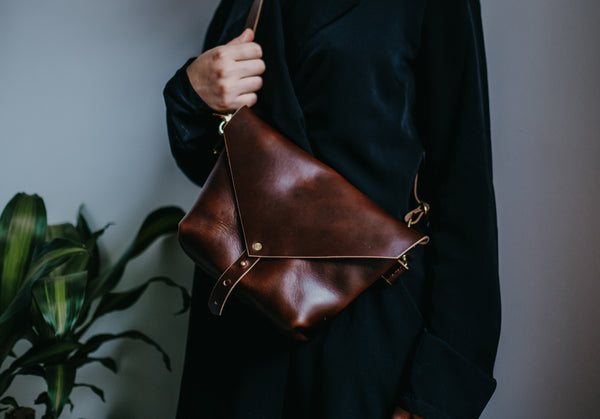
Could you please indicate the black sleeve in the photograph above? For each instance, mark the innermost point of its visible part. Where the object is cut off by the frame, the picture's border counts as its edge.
(191, 125)
(452, 371)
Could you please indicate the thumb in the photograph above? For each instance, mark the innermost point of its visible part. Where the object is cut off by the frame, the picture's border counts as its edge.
(246, 36)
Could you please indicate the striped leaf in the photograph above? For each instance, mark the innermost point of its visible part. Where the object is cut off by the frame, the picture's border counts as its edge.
(59, 300)
(53, 352)
(22, 228)
(63, 231)
(93, 263)
(90, 239)
(46, 258)
(76, 263)
(60, 380)
(43, 331)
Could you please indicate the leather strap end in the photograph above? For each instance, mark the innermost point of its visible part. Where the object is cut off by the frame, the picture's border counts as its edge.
(254, 15)
(227, 282)
(395, 271)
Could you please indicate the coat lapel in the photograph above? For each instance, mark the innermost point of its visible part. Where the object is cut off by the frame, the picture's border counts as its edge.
(303, 18)
(277, 101)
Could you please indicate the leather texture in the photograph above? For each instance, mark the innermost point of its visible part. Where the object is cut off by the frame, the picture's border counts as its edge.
(286, 233)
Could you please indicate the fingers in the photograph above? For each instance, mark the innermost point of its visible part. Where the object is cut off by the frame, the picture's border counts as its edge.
(237, 94)
(228, 76)
(238, 52)
(248, 68)
(249, 100)
(250, 85)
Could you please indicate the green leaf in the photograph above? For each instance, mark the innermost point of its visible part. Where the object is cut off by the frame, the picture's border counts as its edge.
(76, 263)
(60, 380)
(34, 370)
(161, 221)
(92, 244)
(63, 231)
(9, 401)
(93, 268)
(44, 399)
(90, 239)
(22, 228)
(43, 331)
(6, 379)
(11, 333)
(45, 259)
(123, 300)
(99, 392)
(83, 227)
(71, 405)
(60, 299)
(53, 352)
(98, 340)
(107, 362)
(28, 363)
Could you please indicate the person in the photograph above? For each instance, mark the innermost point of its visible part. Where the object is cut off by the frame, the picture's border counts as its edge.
(380, 90)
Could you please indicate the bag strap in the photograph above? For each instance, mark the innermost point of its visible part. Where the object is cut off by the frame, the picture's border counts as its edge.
(254, 15)
(414, 216)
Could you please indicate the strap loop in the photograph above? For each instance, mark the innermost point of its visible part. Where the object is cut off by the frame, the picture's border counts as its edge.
(414, 216)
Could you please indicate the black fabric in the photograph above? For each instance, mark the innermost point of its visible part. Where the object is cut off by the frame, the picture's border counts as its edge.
(376, 89)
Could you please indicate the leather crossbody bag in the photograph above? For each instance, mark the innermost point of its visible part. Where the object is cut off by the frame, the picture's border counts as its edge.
(287, 234)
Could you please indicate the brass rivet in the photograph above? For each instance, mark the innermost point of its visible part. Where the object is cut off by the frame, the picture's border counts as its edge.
(257, 246)
(244, 263)
(227, 282)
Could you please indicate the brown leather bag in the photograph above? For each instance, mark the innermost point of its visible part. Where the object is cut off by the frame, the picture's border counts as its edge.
(286, 233)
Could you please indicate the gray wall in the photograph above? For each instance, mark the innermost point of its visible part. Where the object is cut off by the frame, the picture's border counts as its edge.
(544, 64)
(82, 121)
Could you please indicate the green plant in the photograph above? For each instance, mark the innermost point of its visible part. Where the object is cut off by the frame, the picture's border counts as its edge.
(52, 290)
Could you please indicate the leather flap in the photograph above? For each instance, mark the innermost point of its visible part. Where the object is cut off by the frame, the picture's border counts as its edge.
(292, 205)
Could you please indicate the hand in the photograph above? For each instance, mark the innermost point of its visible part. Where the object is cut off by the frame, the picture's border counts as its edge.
(400, 413)
(228, 76)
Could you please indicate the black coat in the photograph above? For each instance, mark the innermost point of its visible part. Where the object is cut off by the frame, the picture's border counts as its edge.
(377, 89)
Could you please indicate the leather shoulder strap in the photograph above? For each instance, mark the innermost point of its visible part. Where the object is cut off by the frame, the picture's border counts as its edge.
(254, 15)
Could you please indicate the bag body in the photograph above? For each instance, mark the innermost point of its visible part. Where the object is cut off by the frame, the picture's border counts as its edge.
(286, 233)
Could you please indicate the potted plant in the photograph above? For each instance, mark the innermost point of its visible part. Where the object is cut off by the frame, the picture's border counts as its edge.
(53, 288)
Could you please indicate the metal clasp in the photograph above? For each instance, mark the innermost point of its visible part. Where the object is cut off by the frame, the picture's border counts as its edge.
(400, 266)
(225, 118)
(415, 215)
